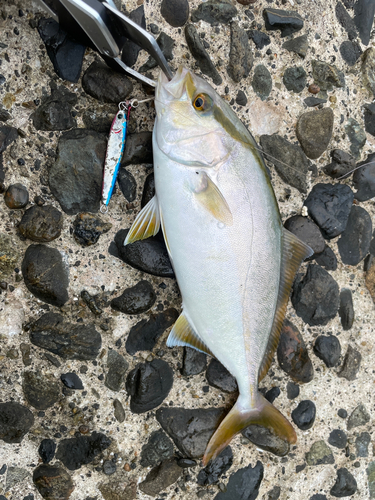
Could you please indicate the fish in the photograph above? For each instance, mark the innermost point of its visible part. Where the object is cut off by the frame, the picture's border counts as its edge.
(234, 261)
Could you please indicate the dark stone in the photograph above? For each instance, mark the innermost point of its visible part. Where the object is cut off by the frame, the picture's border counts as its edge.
(105, 84)
(166, 44)
(214, 11)
(346, 21)
(41, 224)
(298, 45)
(354, 243)
(194, 362)
(262, 81)
(319, 454)
(275, 146)
(127, 184)
(200, 54)
(55, 112)
(117, 367)
(40, 391)
(311, 102)
(338, 439)
(329, 206)
(342, 164)
(318, 496)
(356, 136)
(175, 12)
(150, 255)
(16, 196)
(346, 311)
(368, 69)
(71, 380)
(148, 385)
(362, 443)
(130, 50)
(315, 296)
(350, 52)
(345, 484)
(342, 413)
(66, 54)
(328, 349)
(305, 229)
(160, 477)
(243, 484)
(314, 131)
(47, 450)
(292, 390)
(327, 76)
(266, 440)
(136, 299)
(138, 149)
(364, 11)
(351, 365)
(4, 116)
(241, 98)
(259, 38)
(9, 256)
(67, 340)
(15, 422)
(327, 259)
(159, 447)
(216, 468)
(358, 417)
(304, 415)
(272, 394)
(109, 467)
(288, 22)
(274, 494)
(190, 429)
(88, 227)
(144, 335)
(99, 118)
(295, 79)
(240, 56)
(46, 275)
(148, 189)
(81, 450)
(7, 136)
(364, 179)
(53, 482)
(218, 376)
(75, 178)
(119, 411)
(369, 116)
(90, 301)
(292, 354)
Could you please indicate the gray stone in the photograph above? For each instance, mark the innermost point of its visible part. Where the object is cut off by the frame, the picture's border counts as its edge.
(40, 391)
(214, 11)
(119, 411)
(295, 79)
(356, 136)
(9, 255)
(364, 179)
(319, 454)
(350, 52)
(42, 224)
(53, 482)
(262, 81)
(351, 365)
(55, 112)
(15, 476)
(359, 416)
(368, 69)
(266, 440)
(218, 376)
(105, 84)
(243, 484)
(346, 311)
(240, 56)
(175, 12)
(364, 11)
(327, 76)
(362, 443)
(345, 484)
(166, 44)
(15, 422)
(194, 362)
(314, 131)
(307, 231)
(346, 21)
(299, 45)
(200, 54)
(158, 447)
(81, 450)
(354, 243)
(288, 22)
(371, 478)
(160, 477)
(136, 299)
(117, 367)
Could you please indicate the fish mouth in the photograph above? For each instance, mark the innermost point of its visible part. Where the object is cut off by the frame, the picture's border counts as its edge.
(170, 90)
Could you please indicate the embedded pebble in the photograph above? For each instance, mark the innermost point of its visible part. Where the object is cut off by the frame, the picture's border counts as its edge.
(371, 478)
(266, 440)
(304, 415)
(364, 179)
(328, 349)
(259, 38)
(359, 416)
(299, 45)
(338, 439)
(148, 384)
(127, 184)
(53, 482)
(119, 412)
(319, 454)
(262, 81)
(368, 69)
(130, 50)
(200, 54)
(81, 450)
(354, 242)
(40, 391)
(87, 229)
(71, 380)
(243, 484)
(105, 84)
(295, 79)
(175, 12)
(346, 21)
(345, 484)
(15, 421)
(329, 206)
(288, 22)
(356, 136)
(292, 390)
(364, 11)
(16, 196)
(241, 98)
(136, 299)
(369, 116)
(314, 131)
(47, 450)
(194, 362)
(327, 76)
(292, 354)
(362, 443)
(45, 274)
(7, 136)
(315, 296)
(148, 189)
(160, 477)
(216, 468)
(327, 259)
(41, 224)
(214, 11)
(240, 56)
(117, 366)
(9, 255)
(346, 311)
(55, 111)
(158, 447)
(350, 52)
(218, 376)
(305, 229)
(342, 164)
(351, 365)
(138, 149)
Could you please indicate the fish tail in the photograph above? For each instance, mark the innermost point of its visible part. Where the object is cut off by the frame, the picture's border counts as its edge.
(240, 416)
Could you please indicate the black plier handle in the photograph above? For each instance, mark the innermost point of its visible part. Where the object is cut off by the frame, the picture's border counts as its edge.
(106, 30)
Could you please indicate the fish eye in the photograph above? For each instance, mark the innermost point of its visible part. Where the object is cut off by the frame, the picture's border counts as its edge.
(202, 102)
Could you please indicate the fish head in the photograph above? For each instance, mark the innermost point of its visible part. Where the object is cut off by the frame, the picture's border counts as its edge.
(194, 125)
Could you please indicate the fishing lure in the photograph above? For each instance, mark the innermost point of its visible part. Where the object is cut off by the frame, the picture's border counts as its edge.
(115, 148)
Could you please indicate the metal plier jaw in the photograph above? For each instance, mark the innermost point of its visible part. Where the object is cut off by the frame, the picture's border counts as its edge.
(103, 27)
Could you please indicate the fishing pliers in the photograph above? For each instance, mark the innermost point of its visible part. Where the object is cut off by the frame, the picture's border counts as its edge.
(101, 26)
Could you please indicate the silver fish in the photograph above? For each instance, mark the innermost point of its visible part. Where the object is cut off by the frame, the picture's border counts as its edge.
(234, 262)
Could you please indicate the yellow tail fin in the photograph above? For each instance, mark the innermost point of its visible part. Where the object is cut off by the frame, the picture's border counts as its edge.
(264, 414)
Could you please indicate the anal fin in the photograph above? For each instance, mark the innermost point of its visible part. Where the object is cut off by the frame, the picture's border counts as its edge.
(294, 251)
(182, 334)
(146, 224)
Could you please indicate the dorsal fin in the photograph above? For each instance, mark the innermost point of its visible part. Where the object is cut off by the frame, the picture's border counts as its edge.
(146, 224)
(294, 251)
(183, 334)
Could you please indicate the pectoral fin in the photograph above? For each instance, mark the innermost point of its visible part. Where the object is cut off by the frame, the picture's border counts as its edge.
(294, 251)
(146, 224)
(182, 334)
(211, 198)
